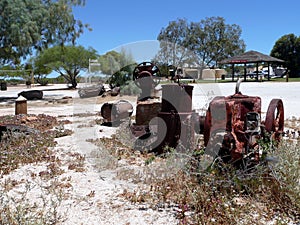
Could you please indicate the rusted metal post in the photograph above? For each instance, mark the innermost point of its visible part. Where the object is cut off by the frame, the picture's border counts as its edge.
(21, 105)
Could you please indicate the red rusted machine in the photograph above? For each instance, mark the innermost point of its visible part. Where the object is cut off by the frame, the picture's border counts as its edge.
(168, 122)
(233, 126)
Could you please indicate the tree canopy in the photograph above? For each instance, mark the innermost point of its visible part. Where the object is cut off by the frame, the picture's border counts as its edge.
(206, 42)
(174, 44)
(118, 65)
(36, 24)
(213, 40)
(113, 61)
(68, 61)
(287, 48)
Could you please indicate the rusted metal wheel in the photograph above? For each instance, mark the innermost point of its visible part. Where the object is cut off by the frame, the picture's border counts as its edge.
(147, 69)
(275, 119)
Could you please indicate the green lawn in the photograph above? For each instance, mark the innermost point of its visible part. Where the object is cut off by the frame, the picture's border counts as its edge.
(284, 79)
(248, 80)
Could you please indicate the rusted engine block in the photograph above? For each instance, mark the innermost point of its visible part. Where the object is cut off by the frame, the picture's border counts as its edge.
(233, 126)
(177, 124)
(146, 111)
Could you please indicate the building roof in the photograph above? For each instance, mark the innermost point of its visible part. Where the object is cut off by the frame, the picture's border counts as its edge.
(250, 57)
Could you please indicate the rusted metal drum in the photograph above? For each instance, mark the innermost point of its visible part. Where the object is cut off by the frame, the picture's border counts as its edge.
(176, 114)
(177, 98)
(112, 112)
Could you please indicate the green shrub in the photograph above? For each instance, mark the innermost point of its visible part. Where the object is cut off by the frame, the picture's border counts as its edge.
(286, 170)
(130, 88)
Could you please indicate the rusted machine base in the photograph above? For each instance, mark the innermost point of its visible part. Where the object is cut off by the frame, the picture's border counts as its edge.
(178, 130)
(169, 123)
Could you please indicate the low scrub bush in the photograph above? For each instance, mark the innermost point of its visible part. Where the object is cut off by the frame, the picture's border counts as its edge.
(130, 88)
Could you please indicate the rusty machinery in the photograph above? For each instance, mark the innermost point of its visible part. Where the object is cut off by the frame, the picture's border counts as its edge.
(161, 123)
(232, 126)
(146, 76)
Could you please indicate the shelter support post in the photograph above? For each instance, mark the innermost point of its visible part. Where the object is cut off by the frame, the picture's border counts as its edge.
(268, 71)
(232, 72)
(256, 71)
(245, 72)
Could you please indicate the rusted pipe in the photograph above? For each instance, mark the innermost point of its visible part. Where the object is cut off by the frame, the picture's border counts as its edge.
(237, 87)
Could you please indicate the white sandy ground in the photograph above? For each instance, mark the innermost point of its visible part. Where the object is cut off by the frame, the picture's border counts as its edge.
(84, 197)
(92, 196)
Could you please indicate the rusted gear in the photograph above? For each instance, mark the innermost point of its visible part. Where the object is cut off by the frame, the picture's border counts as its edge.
(146, 70)
(274, 123)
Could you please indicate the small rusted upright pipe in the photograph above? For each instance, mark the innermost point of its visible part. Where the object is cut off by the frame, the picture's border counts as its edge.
(21, 105)
(237, 87)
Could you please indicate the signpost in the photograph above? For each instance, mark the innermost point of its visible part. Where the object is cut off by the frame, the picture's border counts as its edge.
(93, 62)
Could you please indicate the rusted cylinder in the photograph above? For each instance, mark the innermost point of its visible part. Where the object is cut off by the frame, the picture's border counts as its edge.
(21, 105)
(177, 127)
(177, 98)
(112, 112)
(176, 113)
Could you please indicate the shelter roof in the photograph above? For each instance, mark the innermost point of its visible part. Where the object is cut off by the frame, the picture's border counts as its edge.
(250, 57)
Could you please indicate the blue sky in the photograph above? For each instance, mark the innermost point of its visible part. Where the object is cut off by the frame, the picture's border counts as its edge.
(123, 23)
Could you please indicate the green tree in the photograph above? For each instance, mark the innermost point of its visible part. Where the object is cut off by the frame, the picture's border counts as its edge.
(126, 60)
(122, 76)
(113, 61)
(39, 71)
(199, 43)
(68, 61)
(287, 48)
(110, 62)
(173, 42)
(118, 65)
(15, 71)
(35, 25)
(212, 40)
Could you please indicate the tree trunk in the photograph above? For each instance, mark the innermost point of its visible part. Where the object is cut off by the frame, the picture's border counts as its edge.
(74, 83)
